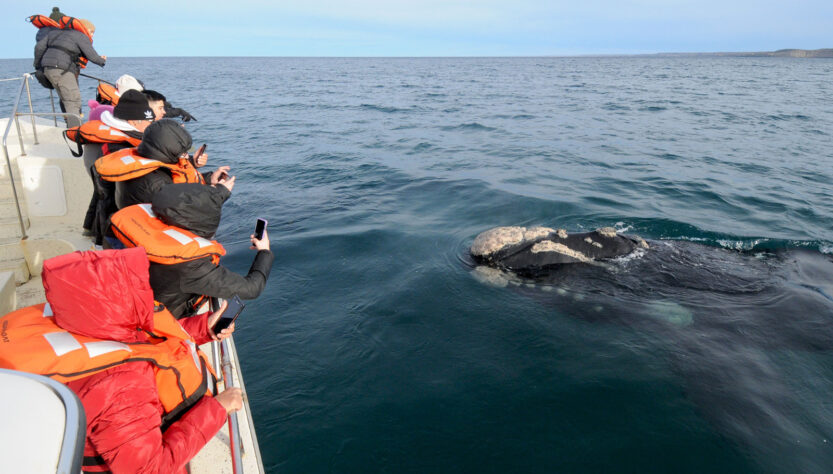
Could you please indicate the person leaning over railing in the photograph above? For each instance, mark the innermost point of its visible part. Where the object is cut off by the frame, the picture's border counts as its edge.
(122, 128)
(145, 387)
(160, 159)
(185, 265)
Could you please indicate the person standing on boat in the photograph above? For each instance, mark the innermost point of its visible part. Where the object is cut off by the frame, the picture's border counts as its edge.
(57, 55)
(175, 229)
(146, 389)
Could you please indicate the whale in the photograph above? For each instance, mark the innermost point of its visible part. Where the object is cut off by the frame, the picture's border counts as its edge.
(536, 250)
(744, 332)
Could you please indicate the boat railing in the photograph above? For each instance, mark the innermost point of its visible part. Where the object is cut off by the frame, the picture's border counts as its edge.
(14, 118)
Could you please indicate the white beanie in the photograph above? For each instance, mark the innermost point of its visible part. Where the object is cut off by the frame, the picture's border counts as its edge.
(126, 83)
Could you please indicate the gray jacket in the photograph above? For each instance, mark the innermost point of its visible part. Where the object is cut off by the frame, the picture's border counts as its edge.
(60, 48)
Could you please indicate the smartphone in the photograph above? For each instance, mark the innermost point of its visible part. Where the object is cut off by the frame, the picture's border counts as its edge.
(259, 228)
(199, 152)
(233, 310)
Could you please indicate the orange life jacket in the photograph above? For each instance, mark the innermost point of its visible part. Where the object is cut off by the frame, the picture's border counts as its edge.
(107, 94)
(70, 23)
(30, 341)
(127, 164)
(43, 21)
(66, 23)
(138, 226)
(96, 131)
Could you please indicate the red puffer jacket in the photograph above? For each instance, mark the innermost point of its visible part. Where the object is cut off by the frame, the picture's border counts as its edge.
(106, 294)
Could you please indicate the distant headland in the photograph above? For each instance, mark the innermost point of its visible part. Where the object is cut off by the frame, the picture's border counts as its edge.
(781, 53)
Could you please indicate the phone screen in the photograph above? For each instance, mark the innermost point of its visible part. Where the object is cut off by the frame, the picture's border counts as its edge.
(233, 310)
(259, 228)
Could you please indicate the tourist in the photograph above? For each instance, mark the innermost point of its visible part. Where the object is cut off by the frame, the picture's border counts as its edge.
(148, 403)
(57, 56)
(160, 159)
(185, 263)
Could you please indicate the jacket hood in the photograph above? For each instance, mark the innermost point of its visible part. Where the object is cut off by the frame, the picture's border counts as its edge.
(164, 140)
(104, 294)
(191, 206)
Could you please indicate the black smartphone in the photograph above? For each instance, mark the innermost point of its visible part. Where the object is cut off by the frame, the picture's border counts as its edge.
(199, 152)
(259, 228)
(233, 310)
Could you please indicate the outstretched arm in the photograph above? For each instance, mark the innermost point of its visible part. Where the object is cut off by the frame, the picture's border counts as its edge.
(205, 278)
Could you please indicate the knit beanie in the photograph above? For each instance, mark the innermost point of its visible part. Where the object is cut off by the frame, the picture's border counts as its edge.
(133, 106)
(127, 82)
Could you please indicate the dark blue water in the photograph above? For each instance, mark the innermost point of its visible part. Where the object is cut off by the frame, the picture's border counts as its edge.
(375, 349)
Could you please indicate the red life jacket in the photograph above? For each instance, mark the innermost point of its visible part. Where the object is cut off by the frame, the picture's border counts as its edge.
(127, 164)
(138, 226)
(96, 131)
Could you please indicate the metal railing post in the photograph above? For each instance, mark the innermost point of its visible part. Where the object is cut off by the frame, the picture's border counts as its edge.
(52, 101)
(31, 109)
(9, 162)
(215, 358)
(234, 428)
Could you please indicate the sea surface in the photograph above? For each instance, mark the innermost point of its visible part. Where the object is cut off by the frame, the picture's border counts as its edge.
(378, 347)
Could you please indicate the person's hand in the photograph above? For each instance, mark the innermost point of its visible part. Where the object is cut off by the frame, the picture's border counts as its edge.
(212, 320)
(228, 183)
(231, 399)
(104, 57)
(217, 175)
(202, 160)
(262, 244)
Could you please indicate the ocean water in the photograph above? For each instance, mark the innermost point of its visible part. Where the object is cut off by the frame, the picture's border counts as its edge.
(378, 347)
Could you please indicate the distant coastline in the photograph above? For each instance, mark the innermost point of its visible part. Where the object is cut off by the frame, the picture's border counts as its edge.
(781, 53)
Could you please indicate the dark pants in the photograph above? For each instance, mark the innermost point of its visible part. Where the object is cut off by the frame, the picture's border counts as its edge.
(105, 207)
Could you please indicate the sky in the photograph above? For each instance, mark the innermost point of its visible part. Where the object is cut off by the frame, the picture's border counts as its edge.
(431, 27)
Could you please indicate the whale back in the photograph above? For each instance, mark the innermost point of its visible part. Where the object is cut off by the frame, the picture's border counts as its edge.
(535, 249)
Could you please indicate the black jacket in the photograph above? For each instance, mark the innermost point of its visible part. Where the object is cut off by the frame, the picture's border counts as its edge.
(163, 140)
(197, 208)
(62, 48)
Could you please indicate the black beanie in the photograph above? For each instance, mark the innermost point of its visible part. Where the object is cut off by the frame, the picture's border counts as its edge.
(133, 105)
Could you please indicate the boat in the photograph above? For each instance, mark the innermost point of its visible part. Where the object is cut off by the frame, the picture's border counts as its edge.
(44, 193)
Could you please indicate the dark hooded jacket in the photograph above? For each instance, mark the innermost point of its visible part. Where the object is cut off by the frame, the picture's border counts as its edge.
(163, 140)
(62, 48)
(197, 208)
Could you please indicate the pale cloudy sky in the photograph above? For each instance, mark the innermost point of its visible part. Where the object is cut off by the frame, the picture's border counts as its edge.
(431, 27)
